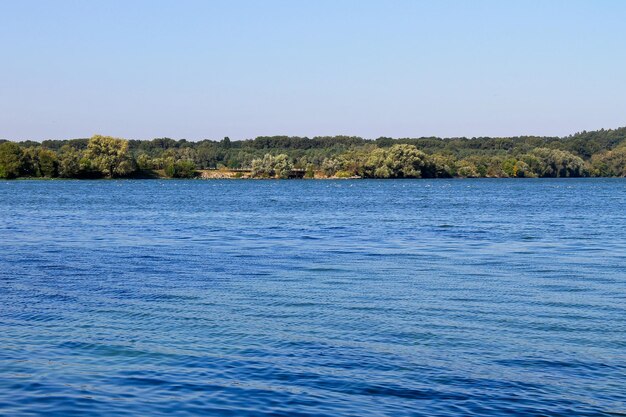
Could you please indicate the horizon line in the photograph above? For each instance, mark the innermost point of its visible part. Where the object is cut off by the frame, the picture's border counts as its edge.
(323, 136)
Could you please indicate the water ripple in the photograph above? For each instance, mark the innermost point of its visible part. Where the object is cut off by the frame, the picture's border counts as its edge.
(313, 298)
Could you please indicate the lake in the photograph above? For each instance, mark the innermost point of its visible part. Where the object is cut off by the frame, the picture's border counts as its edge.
(313, 298)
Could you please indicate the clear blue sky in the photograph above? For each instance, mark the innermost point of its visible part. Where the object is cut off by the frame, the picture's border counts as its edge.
(209, 69)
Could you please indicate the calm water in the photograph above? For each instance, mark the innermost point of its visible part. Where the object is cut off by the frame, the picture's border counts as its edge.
(330, 298)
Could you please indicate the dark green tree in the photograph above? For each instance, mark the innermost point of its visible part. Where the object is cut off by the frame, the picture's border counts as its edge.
(11, 160)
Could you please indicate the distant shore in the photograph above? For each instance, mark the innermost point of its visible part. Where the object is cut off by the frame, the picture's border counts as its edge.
(214, 174)
(587, 154)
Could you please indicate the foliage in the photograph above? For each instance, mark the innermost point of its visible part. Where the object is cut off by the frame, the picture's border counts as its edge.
(272, 166)
(69, 162)
(181, 169)
(598, 153)
(467, 169)
(555, 163)
(330, 166)
(610, 163)
(263, 167)
(48, 163)
(11, 160)
(110, 156)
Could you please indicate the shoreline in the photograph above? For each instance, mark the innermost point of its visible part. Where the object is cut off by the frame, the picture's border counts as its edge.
(233, 178)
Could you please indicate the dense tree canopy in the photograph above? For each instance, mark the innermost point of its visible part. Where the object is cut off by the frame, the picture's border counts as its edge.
(599, 153)
(109, 156)
(11, 160)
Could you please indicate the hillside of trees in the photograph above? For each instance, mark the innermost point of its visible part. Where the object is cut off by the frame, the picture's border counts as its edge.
(599, 153)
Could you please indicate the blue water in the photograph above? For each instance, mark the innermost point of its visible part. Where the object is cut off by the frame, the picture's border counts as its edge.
(325, 298)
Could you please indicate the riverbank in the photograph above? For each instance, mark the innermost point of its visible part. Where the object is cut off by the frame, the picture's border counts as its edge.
(596, 154)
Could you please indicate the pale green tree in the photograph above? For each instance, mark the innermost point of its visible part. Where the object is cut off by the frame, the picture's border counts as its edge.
(330, 166)
(467, 169)
(405, 161)
(263, 167)
(282, 166)
(399, 161)
(610, 163)
(109, 155)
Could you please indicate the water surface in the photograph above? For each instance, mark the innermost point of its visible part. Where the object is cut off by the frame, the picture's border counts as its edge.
(325, 298)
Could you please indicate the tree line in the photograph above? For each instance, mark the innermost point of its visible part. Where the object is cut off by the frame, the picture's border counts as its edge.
(599, 153)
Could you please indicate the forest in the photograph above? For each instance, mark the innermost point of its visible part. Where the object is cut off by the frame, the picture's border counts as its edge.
(600, 153)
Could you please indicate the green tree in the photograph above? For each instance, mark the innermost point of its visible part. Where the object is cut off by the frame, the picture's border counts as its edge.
(279, 166)
(330, 166)
(398, 161)
(263, 167)
(309, 171)
(508, 166)
(48, 163)
(441, 167)
(144, 162)
(10, 160)
(109, 155)
(522, 169)
(555, 163)
(69, 162)
(376, 165)
(282, 166)
(30, 162)
(406, 161)
(225, 143)
(467, 169)
(610, 163)
(181, 169)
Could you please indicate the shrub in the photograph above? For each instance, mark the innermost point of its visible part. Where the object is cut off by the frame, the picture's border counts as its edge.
(181, 169)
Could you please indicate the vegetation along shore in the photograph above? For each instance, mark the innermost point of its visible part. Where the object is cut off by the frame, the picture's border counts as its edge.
(599, 153)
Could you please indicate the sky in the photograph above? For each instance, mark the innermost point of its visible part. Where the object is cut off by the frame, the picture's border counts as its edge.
(207, 69)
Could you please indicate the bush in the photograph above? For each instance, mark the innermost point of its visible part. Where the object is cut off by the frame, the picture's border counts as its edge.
(279, 166)
(344, 174)
(181, 169)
